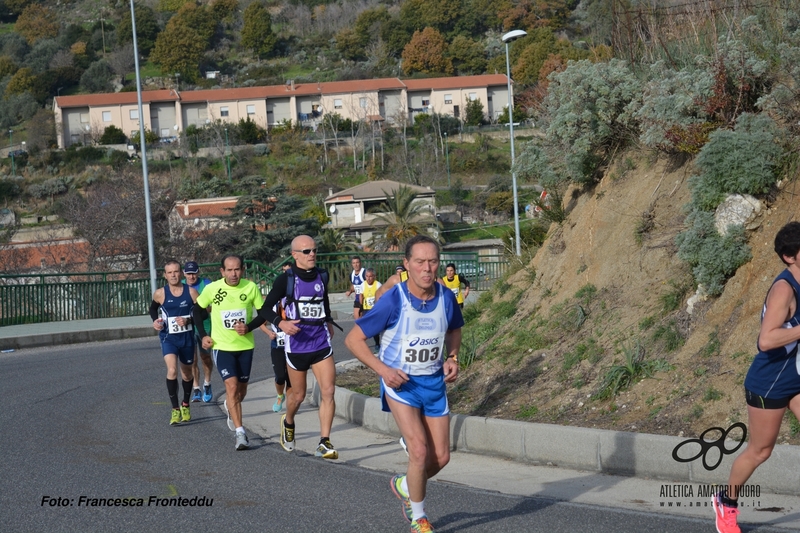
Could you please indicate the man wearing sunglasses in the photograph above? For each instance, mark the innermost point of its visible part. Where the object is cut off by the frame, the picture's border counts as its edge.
(309, 329)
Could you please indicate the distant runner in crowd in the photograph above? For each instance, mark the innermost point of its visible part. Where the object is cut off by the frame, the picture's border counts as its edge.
(278, 355)
(453, 281)
(171, 311)
(356, 285)
(371, 286)
(191, 274)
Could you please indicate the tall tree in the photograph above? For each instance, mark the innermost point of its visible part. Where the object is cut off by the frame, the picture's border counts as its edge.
(467, 56)
(257, 34)
(37, 22)
(426, 53)
(179, 49)
(265, 220)
(146, 28)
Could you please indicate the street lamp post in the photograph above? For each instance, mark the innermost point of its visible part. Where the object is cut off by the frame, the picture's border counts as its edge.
(227, 155)
(11, 150)
(151, 254)
(447, 157)
(507, 38)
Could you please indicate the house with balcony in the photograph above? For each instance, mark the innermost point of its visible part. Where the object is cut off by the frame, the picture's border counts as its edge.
(351, 210)
(167, 112)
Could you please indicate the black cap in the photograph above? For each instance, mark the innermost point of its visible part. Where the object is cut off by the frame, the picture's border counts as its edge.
(191, 268)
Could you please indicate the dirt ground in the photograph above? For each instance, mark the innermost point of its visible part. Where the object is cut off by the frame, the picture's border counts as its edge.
(600, 289)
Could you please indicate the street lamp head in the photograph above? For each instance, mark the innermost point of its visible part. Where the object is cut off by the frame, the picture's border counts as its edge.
(513, 35)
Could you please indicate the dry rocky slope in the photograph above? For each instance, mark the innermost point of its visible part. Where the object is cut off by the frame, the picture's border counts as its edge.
(596, 289)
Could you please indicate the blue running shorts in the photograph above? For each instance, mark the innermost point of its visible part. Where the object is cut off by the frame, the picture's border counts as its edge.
(234, 364)
(426, 393)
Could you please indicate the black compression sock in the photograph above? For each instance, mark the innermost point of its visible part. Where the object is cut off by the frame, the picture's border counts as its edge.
(172, 390)
(187, 391)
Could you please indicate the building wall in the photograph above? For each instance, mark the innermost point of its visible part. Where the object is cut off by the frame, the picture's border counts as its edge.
(162, 117)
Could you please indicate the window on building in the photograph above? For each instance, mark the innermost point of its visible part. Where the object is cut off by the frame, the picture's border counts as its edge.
(106, 116)
(473, 97)
(134, 114)
(251, 110)
(337, 103)
(362, 102)
(84, 118)
(223, 111)
(448, 99)
(426, 102)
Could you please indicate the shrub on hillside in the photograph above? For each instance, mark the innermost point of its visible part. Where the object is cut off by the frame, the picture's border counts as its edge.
(590, 112)
(113, 135)
(742, 161)
(713, 258)
(672, 117)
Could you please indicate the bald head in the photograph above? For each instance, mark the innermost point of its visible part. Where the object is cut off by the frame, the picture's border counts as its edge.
(304, 252)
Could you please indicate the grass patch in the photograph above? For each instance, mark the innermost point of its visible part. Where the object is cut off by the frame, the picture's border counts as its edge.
(794, 425)
(372, 390)
(622, 376)
(670, 335)
(503, 310)
(647, 323)
(528, 411)
(586, 293)
(711, 395)
(712, 347)
(672, 299)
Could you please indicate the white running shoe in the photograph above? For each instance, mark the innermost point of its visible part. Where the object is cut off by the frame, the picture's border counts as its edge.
(228, 414)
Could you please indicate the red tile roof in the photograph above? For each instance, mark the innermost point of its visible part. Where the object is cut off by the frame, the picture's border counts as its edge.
(276, 91)
(81, 100)
(217, 207)
(456, 82)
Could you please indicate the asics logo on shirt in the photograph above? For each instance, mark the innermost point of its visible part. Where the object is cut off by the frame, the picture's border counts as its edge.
(423, 342)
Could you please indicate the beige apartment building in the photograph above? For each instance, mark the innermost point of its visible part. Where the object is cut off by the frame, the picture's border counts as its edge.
(167, 112)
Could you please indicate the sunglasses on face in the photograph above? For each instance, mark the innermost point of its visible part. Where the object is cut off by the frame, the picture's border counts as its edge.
(307, 251)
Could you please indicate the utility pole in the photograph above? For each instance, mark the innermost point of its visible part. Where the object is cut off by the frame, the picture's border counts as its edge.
(11, 150)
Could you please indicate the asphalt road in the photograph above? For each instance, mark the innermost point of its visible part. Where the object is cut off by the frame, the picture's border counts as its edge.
(91, 421)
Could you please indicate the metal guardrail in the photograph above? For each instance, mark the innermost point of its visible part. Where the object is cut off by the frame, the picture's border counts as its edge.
(35, 298)
(481, 271)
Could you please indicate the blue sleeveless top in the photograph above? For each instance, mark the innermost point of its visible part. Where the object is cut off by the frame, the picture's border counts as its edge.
(174, 307)
(774, 373)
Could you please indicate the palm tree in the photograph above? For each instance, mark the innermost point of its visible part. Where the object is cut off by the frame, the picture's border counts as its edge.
(331, 240)
(403, 218)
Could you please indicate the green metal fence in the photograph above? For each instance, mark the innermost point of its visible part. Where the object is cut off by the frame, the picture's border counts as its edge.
(34, 298)
(29, 299)
(480, 270)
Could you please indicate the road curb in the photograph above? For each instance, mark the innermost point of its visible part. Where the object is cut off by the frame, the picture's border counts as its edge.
(75, 337)
(595, 450)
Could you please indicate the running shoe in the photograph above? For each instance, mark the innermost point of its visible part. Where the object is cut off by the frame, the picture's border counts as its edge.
(196, 395)
(185, 414)
(326, 450)
(278, 405)
(228, 414)
(397, 488)
(403, 445)
(725, 515)
(176, 417)
(241, 441)
(287, 436)
(421, 525)
(207, 393)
